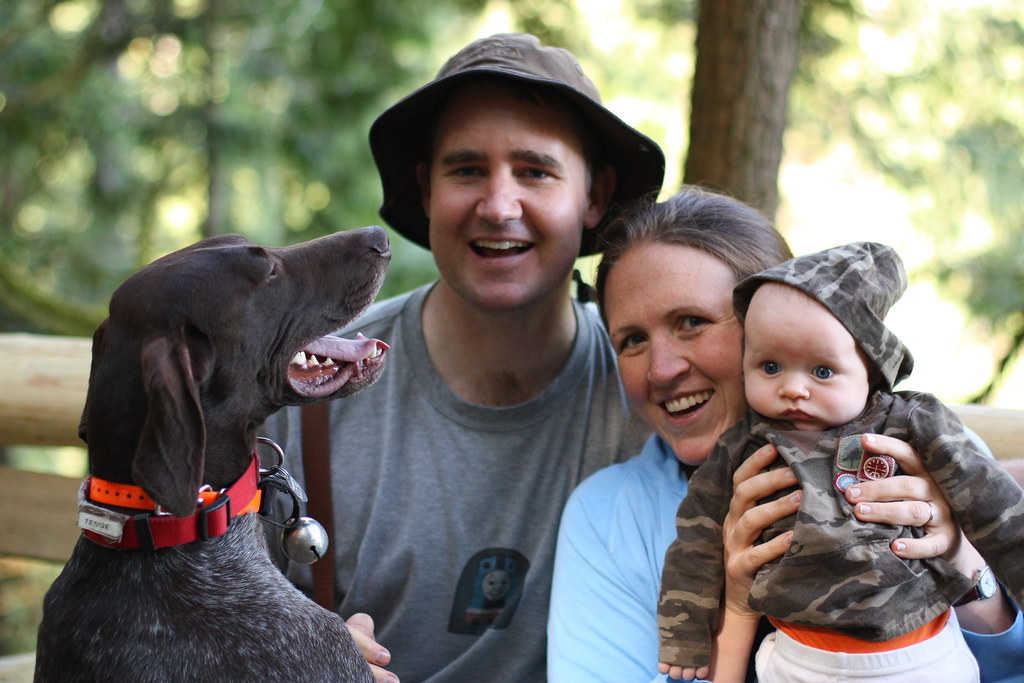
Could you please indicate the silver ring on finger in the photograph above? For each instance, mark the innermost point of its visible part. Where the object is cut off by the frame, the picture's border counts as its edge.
(931, 514)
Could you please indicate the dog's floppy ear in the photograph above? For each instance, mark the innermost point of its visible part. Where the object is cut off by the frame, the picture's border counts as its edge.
(168, 463)
(98, 339)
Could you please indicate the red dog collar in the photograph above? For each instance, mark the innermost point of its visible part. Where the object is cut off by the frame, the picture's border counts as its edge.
(152, 530)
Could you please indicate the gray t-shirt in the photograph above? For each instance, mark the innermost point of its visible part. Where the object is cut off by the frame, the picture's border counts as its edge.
(446, 513)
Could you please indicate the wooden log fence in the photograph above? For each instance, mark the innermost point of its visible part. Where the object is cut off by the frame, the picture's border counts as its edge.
(44, 381)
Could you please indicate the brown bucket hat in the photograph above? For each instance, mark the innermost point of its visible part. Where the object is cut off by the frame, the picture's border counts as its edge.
(398, 135)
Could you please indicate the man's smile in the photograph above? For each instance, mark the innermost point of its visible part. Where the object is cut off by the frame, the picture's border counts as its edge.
(499, 248)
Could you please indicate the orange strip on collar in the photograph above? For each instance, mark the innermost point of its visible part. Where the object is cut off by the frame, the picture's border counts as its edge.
(131, 496)
(254, 504)
(121, 495)
(150, 530)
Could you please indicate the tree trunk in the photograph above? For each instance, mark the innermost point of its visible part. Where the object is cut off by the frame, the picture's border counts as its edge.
(747, 52)
(216, 185)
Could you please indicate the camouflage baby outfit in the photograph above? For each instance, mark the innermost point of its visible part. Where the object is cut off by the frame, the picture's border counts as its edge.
(839, 572)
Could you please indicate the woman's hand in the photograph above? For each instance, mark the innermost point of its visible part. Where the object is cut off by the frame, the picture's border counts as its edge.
(360, 626)
(914, 499)
(743, 526)
(908, 499)
(746, 521)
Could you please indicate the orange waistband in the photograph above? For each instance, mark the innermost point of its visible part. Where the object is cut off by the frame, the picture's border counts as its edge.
(830, 640)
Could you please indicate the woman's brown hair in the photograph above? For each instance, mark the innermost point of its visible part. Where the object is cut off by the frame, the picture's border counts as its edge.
(736, 234)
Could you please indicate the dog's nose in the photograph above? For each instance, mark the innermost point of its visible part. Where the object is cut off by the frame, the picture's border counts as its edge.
(378, 240)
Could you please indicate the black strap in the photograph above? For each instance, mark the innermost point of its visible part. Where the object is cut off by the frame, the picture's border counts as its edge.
(316, 464)
(584, 292)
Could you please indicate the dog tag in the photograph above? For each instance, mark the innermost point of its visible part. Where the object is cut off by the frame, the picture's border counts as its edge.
(294, 486)
(106, 523)
(279, 472)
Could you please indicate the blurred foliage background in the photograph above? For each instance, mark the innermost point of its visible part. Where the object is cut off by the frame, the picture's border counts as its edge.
(129, 128)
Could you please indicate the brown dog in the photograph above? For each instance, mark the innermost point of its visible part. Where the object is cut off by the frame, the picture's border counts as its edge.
(167, 583)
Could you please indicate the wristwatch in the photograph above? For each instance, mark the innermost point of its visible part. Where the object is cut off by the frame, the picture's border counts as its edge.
(985, 587)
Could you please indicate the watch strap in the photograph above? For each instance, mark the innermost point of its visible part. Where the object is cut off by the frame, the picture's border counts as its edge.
(975, 592)
(970, 596)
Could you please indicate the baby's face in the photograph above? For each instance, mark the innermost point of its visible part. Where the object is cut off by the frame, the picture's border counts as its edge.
(800, 364)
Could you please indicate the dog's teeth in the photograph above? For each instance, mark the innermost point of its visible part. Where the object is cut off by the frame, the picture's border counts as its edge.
(299, 358)
(329, 363)
(313, 362)
(376, 352)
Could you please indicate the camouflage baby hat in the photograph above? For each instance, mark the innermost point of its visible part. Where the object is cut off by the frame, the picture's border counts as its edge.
(858, 283)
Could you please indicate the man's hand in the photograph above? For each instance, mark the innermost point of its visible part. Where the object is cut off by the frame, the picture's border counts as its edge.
(1016, 469)
(361, 627)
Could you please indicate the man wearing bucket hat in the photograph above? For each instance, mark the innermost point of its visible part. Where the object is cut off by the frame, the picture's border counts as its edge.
(819, 369)
(502, 392)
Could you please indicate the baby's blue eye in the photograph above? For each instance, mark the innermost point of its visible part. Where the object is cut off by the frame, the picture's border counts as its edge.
(770, 367)
(821, 372)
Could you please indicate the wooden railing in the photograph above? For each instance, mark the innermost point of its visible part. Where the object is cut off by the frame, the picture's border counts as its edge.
(42, 389)
(43, 382)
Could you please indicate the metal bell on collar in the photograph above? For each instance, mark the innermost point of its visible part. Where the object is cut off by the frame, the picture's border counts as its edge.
(304, 540)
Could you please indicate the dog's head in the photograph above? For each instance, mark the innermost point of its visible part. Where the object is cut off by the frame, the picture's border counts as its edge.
(205, 343)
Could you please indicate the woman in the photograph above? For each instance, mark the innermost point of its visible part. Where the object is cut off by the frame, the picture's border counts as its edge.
(665, 289)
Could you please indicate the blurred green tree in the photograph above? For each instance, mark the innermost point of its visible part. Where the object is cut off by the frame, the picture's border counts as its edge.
(931, 95)
(934, 99)
(133, 127)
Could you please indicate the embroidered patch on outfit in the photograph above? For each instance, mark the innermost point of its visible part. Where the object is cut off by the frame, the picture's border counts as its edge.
(876, 467)
(850, 453)
(857, 464)
(844, 480)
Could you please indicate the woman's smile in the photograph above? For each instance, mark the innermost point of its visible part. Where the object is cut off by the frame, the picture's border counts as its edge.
(670, 319)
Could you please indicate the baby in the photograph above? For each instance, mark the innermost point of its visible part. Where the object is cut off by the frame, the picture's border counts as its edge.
(819, 368)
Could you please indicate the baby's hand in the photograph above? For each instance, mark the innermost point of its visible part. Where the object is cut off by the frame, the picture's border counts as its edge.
(687, 673)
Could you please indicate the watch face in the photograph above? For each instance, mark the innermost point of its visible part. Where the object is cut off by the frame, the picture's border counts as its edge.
(986, 583)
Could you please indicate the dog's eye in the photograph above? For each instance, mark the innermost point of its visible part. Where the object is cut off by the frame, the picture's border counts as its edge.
(273, 271)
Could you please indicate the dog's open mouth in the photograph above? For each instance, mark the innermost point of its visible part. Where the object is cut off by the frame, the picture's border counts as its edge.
(330, 363)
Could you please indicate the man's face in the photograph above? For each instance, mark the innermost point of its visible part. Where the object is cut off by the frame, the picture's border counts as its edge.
(508, 194)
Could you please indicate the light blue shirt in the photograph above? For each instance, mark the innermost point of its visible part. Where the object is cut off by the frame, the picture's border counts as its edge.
(615, 530)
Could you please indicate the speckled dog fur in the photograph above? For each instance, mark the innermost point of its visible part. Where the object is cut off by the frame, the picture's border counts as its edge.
(191, 361)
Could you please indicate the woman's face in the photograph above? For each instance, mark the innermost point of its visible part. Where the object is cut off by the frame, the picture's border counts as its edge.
(679, 345)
